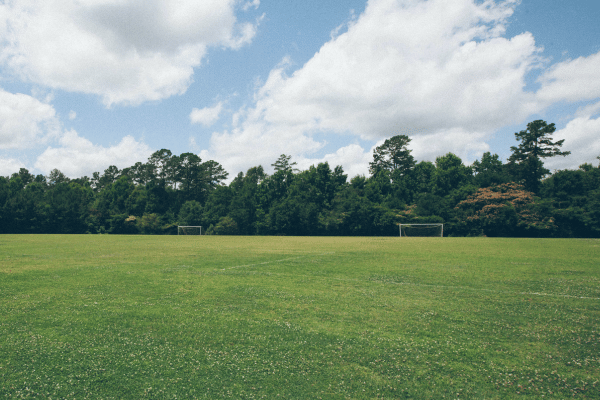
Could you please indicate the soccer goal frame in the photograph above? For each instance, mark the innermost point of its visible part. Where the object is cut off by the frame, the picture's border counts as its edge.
(422, 225)
(182, 228)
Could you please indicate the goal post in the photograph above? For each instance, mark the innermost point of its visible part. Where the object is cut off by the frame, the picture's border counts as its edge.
(424, 230)
(189, 230)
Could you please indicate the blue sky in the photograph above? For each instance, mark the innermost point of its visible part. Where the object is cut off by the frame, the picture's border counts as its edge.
(92, 83)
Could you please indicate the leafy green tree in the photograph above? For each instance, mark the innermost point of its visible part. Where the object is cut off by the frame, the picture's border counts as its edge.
(298, 204)
(137, 200)
(358, 184)
(323, 187)
(275, 187)
(244, 206)
(450, 174)
(190, 213)
(4, 196)
(56, 177)
(95, 181)
(111, 175)
(393, 156)
(339, 178)
(24, 210)
(161, 169)
(217, 205)
(226, 226)
(298, 212)
(353, 214)
(189, 174)
(159, 198)
(489, 171)
(575, 197)
(139, 173)
(429, 204)
(25, 176)
(286, 217)
(109, 209)
(150, 224)
(318, 184)
(379, 187)
(535, 145)
(41, 179)
(421, 179)
(67, 208)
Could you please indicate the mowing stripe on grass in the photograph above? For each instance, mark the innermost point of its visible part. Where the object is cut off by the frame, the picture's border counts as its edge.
(273, 262)
(418, 284)
(486, 290)
(263, 263)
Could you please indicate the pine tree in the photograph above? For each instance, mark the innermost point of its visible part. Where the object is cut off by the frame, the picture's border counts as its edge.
(535, 144)
(393, 156)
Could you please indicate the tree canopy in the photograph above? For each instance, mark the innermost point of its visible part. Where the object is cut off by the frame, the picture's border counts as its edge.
(490, 198)
(393, 156)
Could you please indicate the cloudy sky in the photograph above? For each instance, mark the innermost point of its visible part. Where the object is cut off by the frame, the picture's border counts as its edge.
(85, 84)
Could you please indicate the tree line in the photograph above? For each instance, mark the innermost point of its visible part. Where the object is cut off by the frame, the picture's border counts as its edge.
(517, 198)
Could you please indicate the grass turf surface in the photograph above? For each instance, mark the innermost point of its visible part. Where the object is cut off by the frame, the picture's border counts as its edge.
(268, 317)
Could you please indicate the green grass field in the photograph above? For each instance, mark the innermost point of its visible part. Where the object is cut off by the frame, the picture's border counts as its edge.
(168, 317)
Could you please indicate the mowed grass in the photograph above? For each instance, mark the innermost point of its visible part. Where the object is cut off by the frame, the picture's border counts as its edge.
(169, 317)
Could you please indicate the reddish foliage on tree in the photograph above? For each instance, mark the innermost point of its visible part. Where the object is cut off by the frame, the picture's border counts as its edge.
(505, 210)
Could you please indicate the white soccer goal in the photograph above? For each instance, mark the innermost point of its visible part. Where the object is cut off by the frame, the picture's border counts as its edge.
(412, 230)
(189, 230)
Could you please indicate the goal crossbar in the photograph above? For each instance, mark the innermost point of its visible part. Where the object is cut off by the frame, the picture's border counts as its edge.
(181, 229)
(423, 225)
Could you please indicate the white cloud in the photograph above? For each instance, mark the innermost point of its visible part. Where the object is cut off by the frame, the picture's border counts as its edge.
(249, 4)
(467, 145)
(582, 139)
(572, 80)
(9, 166)
(206, 116)
(78, 156)
(438, 70)
(422, 65)
(72, 115)
(256, 142)
(354, 159)
(25, 121)
(126, 51)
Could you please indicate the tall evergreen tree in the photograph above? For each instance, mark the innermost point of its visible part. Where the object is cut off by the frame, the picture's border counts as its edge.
(535, 144)
(161, 168)
(214, 174)
(393, 156)
(283, 164)
(55, 177)
(188, 173)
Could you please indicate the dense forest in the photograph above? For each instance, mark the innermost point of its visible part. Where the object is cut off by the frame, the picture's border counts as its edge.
(492, 198)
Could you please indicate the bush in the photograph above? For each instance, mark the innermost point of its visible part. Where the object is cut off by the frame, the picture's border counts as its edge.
(226, 226)
(190, 213)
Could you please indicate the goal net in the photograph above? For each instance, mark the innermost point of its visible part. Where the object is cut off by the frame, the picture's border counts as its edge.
(189, 230)
(413, 230)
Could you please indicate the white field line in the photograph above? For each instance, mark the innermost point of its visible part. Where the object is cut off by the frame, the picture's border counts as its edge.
(491, 290)
(273, 261)
(263, 263)
(419, 284)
